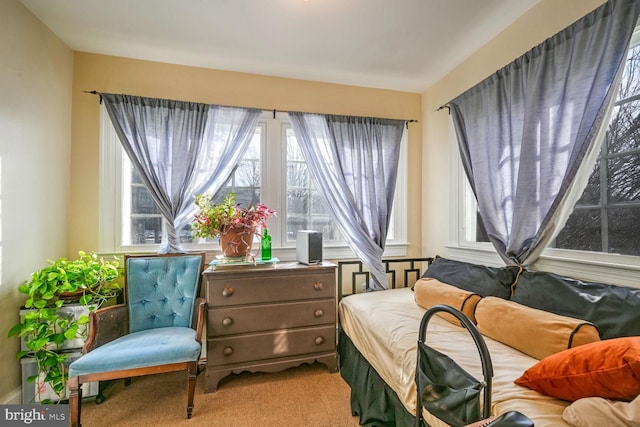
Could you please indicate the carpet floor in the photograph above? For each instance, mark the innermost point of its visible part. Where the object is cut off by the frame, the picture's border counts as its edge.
(306, 396)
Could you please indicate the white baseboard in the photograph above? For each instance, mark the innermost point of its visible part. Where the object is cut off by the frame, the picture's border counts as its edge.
(12, 398)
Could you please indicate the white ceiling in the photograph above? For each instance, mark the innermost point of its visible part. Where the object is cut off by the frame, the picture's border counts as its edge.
(396, 44)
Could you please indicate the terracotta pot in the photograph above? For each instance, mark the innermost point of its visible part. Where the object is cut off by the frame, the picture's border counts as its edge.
(236, 241)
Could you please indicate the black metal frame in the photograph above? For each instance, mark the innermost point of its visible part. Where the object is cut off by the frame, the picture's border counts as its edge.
(485, 357)
(413, 268)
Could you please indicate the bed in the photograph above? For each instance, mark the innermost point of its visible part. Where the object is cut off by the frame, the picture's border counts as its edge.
(377, 343)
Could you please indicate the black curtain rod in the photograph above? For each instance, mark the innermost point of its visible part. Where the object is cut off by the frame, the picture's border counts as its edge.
(288, 111)
(442, 107)
(95, 92)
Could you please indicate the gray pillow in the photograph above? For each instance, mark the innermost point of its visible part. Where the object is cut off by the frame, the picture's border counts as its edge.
(483, 280)
(615, 310)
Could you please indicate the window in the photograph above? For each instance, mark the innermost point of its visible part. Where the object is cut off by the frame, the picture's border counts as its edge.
(607, 215)
(272, 171)
(605, 219)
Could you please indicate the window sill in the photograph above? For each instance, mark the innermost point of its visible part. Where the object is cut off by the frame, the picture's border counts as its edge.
(287, 254)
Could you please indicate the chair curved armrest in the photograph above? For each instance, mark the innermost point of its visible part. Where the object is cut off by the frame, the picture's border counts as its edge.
(197, 321)
(105, 325)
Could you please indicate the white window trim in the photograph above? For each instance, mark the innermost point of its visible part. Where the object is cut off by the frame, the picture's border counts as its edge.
(592, 266)
(110, 203)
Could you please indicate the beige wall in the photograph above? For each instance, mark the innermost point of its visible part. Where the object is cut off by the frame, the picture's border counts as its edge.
(120, 75)
(542, 21)
(35, 118)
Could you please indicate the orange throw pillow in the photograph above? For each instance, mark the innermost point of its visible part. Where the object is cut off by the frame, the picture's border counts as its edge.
(430, 292)
(608, 369)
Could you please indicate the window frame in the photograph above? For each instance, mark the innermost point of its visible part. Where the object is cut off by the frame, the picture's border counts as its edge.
(273, 169)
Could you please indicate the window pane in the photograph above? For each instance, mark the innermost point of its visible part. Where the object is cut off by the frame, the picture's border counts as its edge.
(305, 209)
(623, 230)
(624, 178)
(297, 201)
(295, 223)
(141, 201)
(247, 179)
(297, 175)
(327, 227)
(248, 174)
(583, 231)
(146, 230)
(591, 195)
(624, 130)
(293, 149)
(185, 234)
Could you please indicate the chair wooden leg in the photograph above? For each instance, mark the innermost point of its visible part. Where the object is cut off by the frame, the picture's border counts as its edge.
(193, 373)
(75, 401)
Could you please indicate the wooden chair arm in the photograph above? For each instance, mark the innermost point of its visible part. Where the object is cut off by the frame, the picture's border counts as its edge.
(197, 321)
(105, 325)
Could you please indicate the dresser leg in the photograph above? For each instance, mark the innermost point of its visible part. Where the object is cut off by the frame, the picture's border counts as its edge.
(330, 361)
(212, 378)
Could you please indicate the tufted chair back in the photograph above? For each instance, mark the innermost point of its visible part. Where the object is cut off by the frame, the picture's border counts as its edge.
(161, 290)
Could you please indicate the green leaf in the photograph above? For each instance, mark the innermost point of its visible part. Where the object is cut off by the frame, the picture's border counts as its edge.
(39, 304)
(48, 295)
(15, 330)
(58, 339)
(37, 344)
(71, 333)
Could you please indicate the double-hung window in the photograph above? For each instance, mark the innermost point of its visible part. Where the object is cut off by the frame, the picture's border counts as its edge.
(272, 172)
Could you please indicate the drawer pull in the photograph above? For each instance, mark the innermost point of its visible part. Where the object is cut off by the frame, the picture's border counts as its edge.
(227, 321)
(319, 340)
(228, 351)
(227, 292)
(319, 313)
(317, 286)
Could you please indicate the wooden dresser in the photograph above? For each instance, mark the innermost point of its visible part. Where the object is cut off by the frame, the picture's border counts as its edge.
(268, 320)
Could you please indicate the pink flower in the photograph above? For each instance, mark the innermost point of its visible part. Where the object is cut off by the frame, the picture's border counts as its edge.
(212, 219)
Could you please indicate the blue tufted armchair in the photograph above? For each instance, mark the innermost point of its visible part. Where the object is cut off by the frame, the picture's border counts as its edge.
(158, 330)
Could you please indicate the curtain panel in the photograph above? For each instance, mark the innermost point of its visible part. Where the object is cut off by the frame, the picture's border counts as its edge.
(529, 134)
(353, 162)
(180, 149)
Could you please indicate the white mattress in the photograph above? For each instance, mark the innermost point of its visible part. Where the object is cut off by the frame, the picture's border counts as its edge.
(384, 326)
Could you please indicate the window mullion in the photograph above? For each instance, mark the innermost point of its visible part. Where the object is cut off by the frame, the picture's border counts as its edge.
(604, 195)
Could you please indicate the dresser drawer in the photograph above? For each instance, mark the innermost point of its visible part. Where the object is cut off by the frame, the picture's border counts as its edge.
(236, 290)
(270, 345)
(254, 318)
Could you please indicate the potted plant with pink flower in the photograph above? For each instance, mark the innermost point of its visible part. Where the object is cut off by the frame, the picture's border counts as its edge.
(235, 225)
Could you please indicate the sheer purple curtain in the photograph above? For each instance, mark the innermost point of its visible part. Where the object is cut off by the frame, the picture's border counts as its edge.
(528, 135)
(354, 163)
(180, 149)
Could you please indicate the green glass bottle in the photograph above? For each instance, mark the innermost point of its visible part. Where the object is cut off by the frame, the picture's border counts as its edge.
(266, 245)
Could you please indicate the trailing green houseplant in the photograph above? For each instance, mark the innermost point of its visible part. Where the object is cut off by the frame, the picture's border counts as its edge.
(88, 280)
